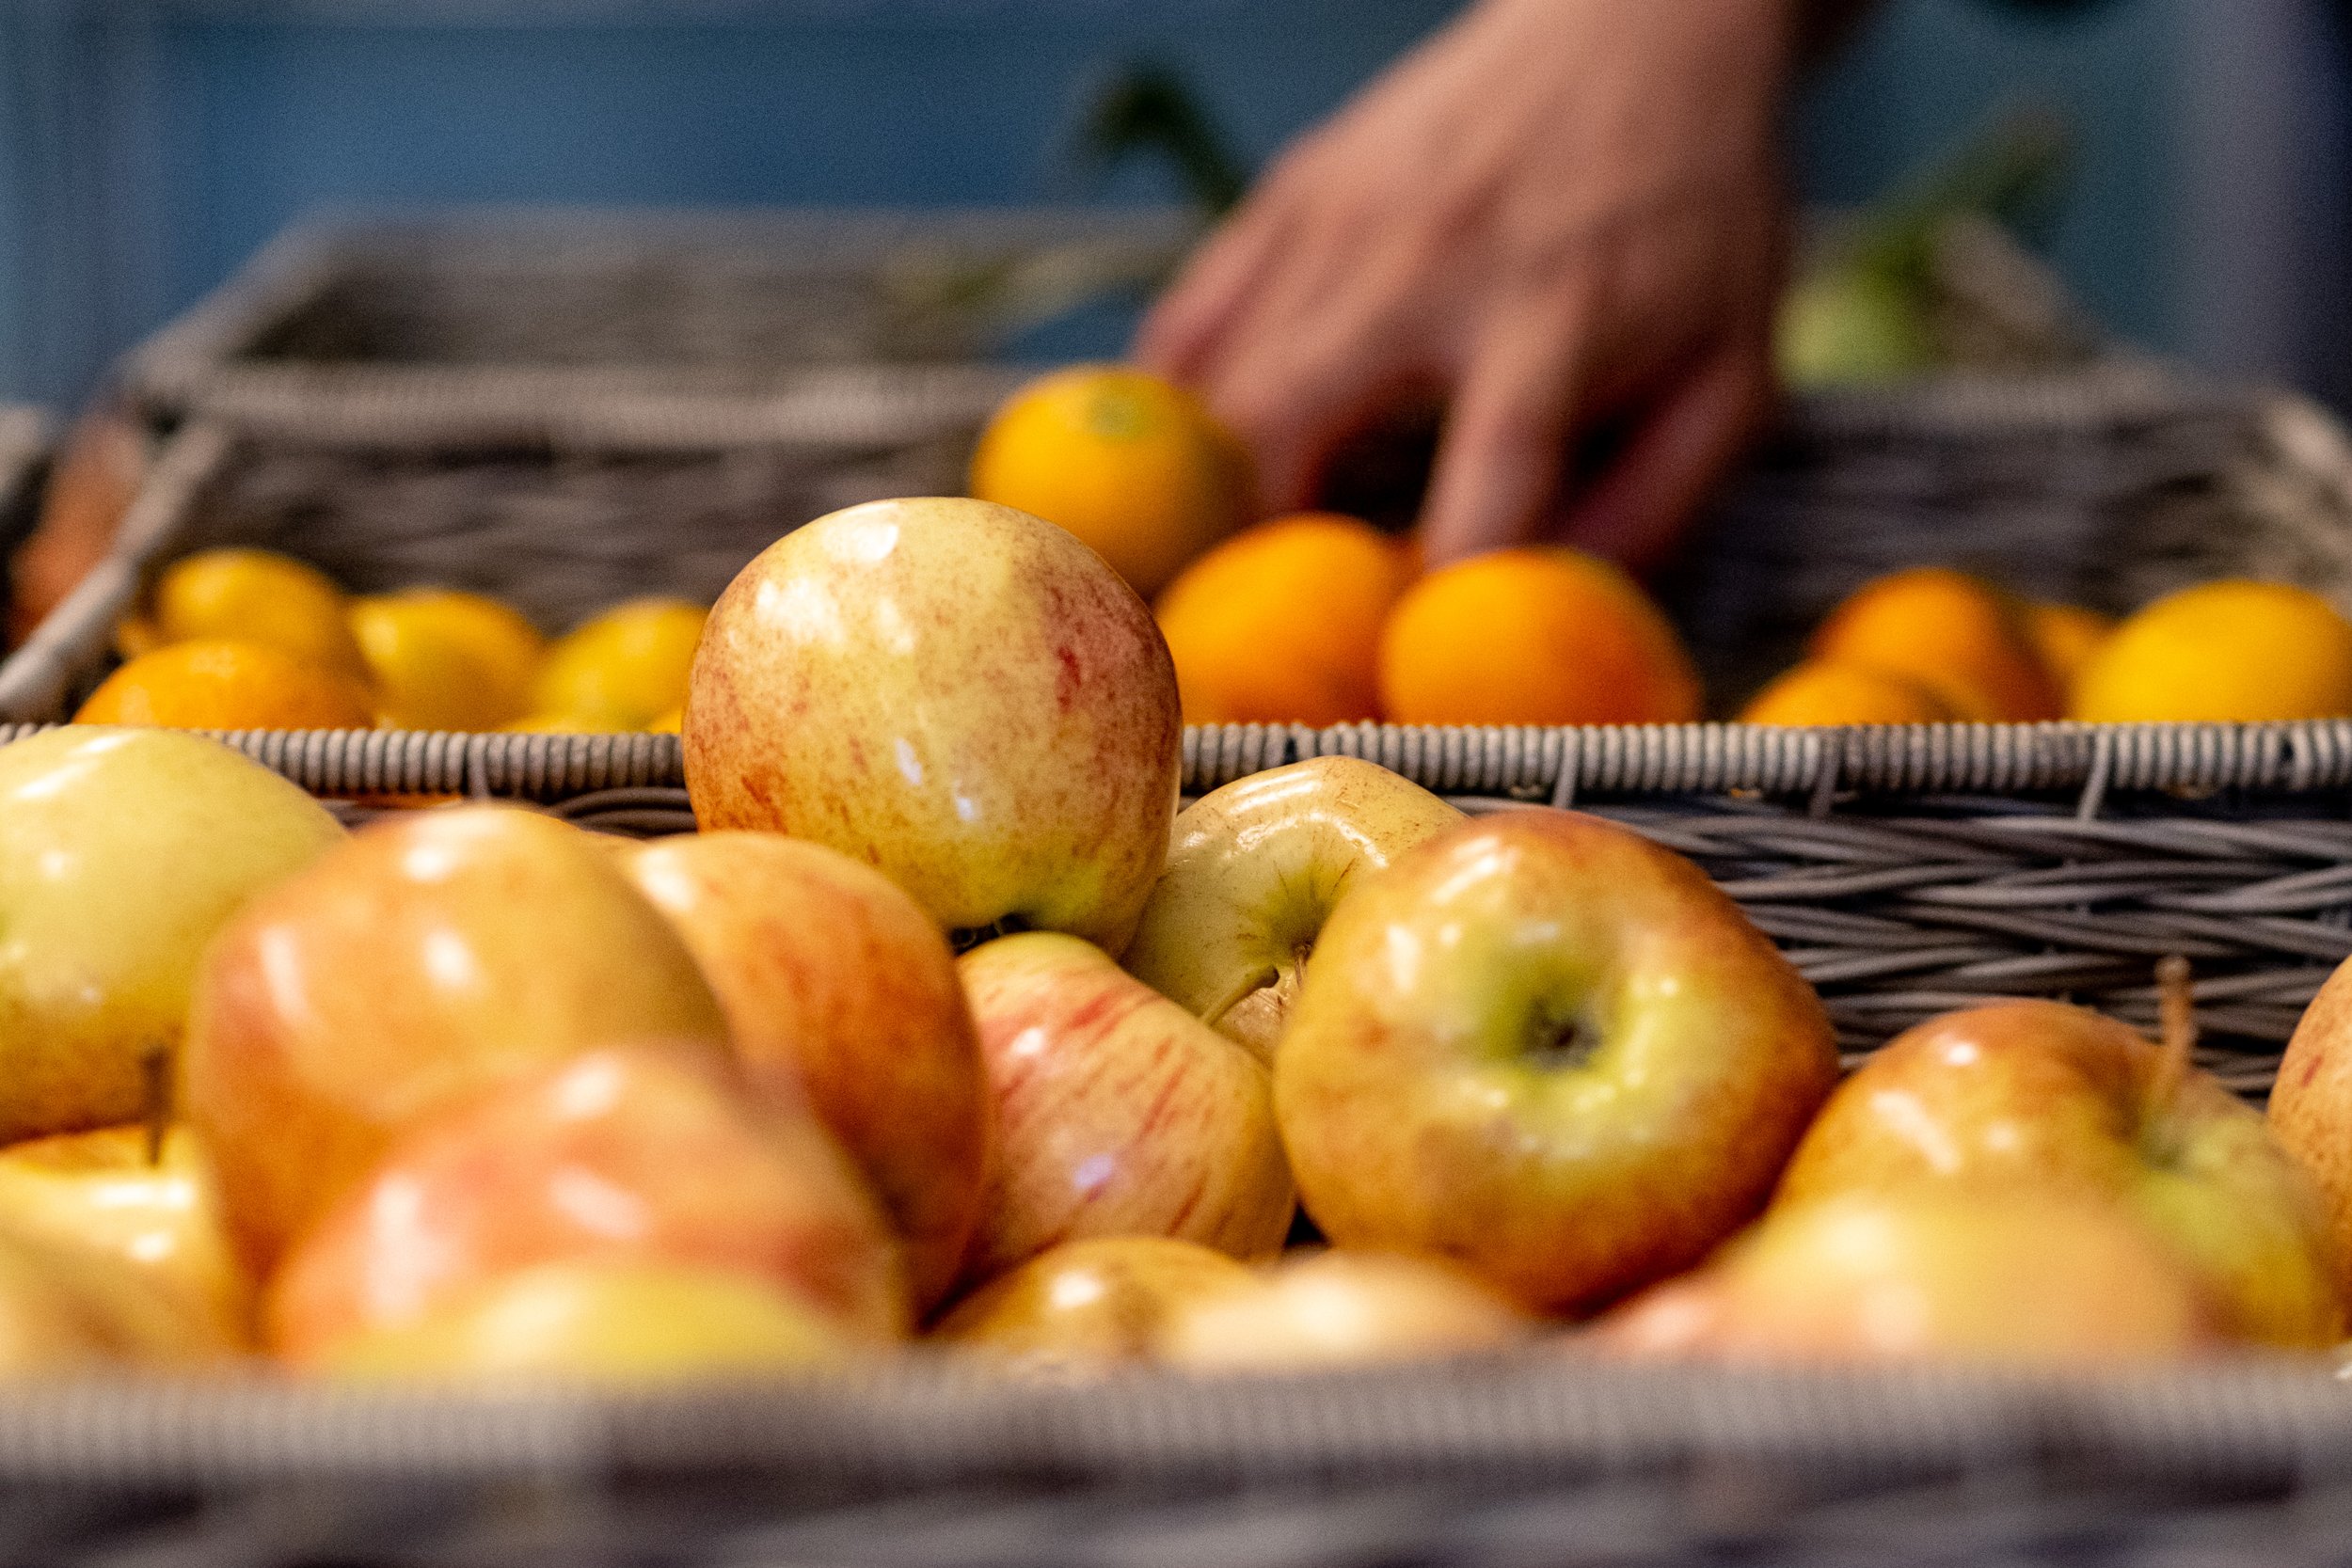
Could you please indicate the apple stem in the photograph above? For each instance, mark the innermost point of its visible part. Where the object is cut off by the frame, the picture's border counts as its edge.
(2176, 1004)
(156, 1079)
(1249, 986)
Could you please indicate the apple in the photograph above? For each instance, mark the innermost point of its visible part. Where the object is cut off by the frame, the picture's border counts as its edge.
(1336, 1308)
(1254, 870)
(955, 692)
(121, 853)
(837, 984)
(2050, 1278)
(2043, 1097)
(2310, 1111)
(148, 1202)
(637, 1155)
(1091, 1304)
(425, 958)
(1549, 1050)
(67, 1307)
(606, 1322)
(1116, 1112)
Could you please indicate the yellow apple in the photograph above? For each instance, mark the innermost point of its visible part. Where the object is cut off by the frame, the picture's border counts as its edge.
(956, 692)
(618, 1323)
(1254, 872)
(121, 853)
(1546, 1047)
(153, 1205)
(1116, 1112)
(2310, 1111)
(2042, 1098)
(629, 1153)
(837, 985)
(66, 1308)
(1338, 1309)
(2045, 1278)
(1092, 1304)
(428, 957)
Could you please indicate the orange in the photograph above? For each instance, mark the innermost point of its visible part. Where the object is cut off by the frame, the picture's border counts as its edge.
(1534, 636)
(2226, 651)
(443, 659)
(1281, 625)
(217, 684)
(1134, 466)
(623, 670)
(1821, 692)
(2066, 635)
(257, 596)
(1959, 636)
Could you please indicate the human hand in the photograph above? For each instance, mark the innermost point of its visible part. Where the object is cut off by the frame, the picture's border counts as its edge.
(1564, 217)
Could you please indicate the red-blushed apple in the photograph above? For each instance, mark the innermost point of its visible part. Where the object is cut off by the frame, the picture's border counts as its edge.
(956, 692)
(2044, 1278)
(1088, 1304)
(1339, 1309)
(149, 1203)
(424, 960)
(2042, 1098)
(2310, 1111)
(626, 1324)
(629, 1154)
(122, 854)
(1254, 870)
(838, 986)
(1549, 1050)
(1116, 1113)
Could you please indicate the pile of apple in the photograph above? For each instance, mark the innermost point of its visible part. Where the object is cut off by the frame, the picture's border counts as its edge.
(477, 1092)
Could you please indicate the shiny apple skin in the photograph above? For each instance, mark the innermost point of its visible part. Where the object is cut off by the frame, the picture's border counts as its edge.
(2310, 1111)
(1427, 1110)
(957, 693)
(622, 1155)
(1117, 1113)
(2041, 1097)
(627, 1324)
(1254, 869)
(838, 987)
(1092, 1304)
(121, 853)
(161, 1216)
(1345, 1309)
(2050, 1279)
(421, 961)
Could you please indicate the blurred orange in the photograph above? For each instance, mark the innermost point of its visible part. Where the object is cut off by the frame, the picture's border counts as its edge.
(1957, 635)
(1534, 636)
(217, 684)
(1821, 692)
(2066, 635)
(1281, 625)
(2232, 650)
(1134, 466)
(444, 659)
(258, 596)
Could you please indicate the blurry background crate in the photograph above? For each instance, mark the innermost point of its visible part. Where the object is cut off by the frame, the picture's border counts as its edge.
(487, 326)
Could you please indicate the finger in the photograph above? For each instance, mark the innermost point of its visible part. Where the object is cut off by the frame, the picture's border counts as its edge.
(1640, 507)
(1501, 456)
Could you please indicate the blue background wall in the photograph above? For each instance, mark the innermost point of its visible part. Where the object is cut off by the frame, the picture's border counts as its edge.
(147, 146)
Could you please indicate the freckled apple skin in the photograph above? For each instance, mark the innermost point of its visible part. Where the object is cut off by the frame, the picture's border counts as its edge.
(1090, 1304)
(1424, 1112)
(419, 962)
(1254, 870)
(1117, 1113)
(957, 693)
(121, 853)
(1343, 1308)
(839, 986)
(632, 1154)
(2311, 1110)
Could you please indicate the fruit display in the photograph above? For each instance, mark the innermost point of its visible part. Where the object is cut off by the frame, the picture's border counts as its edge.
(233, 637)
(950, 1034)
